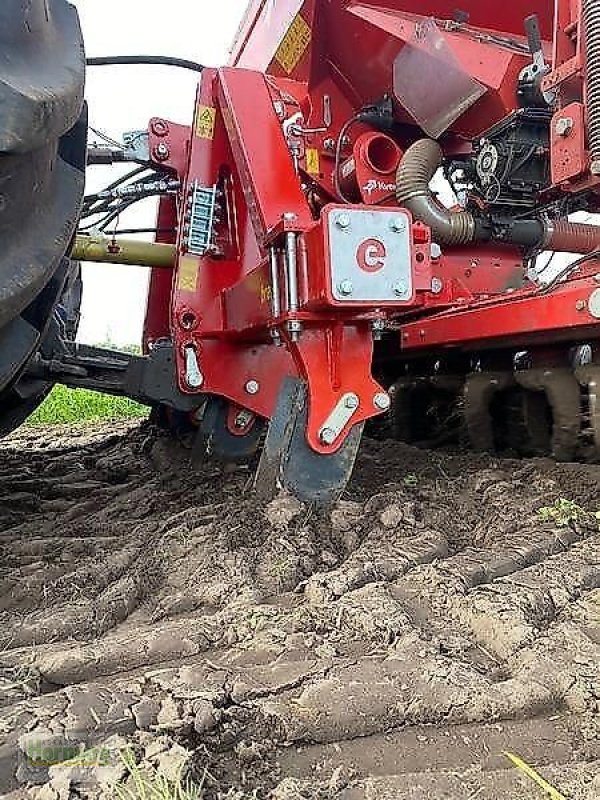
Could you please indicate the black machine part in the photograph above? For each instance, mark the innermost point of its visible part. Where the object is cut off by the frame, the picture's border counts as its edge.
(43, 135)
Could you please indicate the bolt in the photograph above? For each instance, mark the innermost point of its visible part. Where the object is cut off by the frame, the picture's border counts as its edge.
(378, 327)
(436, 285)
(328, 436)
(580, 305)
(160, 127)
(243, 418)
(595, 167)
(398, 224)
(399, 288)
(161, 151)
(382, 401)
(346, 287)
(252, 387)
(436, 251)
(343, 221)
(564, 126)
(329, 144)
(351, 401)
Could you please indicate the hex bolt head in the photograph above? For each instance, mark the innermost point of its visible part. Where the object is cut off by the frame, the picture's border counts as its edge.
(398, 224)
(382, 401)
(436, 285)
(564, 126)
(161, 151)
(351, 401)
(399, 288)
(595, 167)
(252, 387)
(343, 221)
(346, 287)
(327, 436)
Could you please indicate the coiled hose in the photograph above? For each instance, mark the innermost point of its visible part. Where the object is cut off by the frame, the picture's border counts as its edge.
(591, 31)
(417, 168)
(420, 163)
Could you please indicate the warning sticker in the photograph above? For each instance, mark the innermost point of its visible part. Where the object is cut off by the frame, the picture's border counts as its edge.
(205, 122)
(313, 161)
(188, 274)
(294, 44)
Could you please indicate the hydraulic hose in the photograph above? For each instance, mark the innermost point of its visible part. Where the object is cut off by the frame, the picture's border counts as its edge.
(420, 163)
(165, 61)
(418, 166)
(591, 31)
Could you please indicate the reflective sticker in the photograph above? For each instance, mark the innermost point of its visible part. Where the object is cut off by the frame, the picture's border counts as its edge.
(205, 122)
(313, 161)
(188, 274)
(293, 45)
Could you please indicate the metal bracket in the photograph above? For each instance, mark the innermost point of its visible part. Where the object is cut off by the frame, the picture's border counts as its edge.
(341, 415)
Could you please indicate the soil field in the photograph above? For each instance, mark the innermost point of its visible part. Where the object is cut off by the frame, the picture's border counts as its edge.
(394, 648)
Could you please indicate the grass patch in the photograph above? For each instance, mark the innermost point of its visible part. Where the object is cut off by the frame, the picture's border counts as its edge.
(82, 405)
(147, 784)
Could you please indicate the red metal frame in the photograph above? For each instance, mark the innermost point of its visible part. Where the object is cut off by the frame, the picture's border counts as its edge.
(321, 62)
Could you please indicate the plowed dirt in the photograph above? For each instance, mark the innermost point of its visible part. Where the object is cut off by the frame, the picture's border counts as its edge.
(392, 649)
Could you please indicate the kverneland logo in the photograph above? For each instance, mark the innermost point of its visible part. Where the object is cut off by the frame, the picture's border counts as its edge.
(374, 185)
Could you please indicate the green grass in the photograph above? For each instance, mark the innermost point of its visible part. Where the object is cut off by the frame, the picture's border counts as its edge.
(82, 405)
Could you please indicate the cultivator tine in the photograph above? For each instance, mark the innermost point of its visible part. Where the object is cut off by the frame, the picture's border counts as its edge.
(288, 462)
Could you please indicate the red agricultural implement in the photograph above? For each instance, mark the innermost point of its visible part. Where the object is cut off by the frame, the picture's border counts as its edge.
(348, 233)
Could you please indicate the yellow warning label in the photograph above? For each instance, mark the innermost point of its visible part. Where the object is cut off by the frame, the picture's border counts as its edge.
(313, 161)
(188, 274)
(294, 44)
(205, 122)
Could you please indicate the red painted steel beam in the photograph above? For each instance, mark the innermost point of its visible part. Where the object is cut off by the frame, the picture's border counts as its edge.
(563, 314)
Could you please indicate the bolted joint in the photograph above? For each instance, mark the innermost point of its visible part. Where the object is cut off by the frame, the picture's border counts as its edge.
(382, 401)
(327, 436)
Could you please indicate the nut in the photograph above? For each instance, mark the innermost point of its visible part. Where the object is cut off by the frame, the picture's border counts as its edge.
(382, 401)
(399, 288)
(327, 436)
(161, 151)
(343, 221)
(346, 287)
(252, 387)
(351, 401)
(564, 126)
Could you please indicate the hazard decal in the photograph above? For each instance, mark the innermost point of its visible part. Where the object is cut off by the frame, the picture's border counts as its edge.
(188, 274)
(294, 44)
(205, 122)
(313, 161)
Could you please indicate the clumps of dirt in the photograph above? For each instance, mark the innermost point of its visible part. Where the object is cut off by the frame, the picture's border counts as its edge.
(394, 646)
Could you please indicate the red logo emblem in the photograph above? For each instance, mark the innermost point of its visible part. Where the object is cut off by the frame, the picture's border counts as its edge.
(370, 255)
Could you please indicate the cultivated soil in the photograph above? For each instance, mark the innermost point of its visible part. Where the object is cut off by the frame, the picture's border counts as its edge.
(394, 648)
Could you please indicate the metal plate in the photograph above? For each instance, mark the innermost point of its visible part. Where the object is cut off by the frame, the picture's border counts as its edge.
(370, 255)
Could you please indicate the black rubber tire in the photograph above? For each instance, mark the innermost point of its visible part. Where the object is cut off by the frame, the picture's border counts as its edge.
(43, 142)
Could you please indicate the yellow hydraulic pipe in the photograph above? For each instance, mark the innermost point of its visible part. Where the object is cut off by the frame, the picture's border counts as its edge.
(106, 250)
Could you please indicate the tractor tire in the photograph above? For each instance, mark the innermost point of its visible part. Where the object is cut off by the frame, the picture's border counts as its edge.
(43, 141)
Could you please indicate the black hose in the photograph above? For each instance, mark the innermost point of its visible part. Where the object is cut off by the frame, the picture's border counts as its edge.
(165, 61)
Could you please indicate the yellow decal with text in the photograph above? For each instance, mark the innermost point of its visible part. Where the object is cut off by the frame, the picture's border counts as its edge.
(188, 274)
(205, 122)
(293, 45)
(313, 161)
